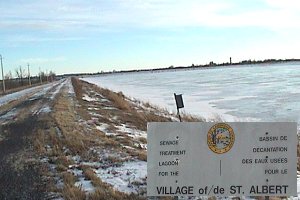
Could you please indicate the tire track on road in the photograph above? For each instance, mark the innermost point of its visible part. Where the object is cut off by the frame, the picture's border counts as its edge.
(36, 102)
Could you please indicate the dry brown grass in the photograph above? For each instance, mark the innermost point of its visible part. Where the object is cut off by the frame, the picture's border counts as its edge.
(191, 118)
(125, 140)
(107, 193)
(114, 159)
(101, 194)
(68, 178)
(118, 99)
(142, 155)
(112, 195)
(39, 142)
(73, 193)
(65, 117)
(77, 85)
(63, 163)
(90, 175)
(109, 142)
(70, 191)
(103, 190)
(142, 140)
(127, 112)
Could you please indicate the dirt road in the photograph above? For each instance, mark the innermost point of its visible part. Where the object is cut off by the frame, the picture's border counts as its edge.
(20, 171)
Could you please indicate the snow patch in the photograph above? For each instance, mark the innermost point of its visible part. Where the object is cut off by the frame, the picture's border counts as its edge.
(76, 159)
(141, 145)
(95, 114)
(103, 128)
(131, 132)
(85, 185)
(9, 115)
(93, 108)
(44, 109)
(62, 83)
(104, 100)
(128, 178)
(70, 87)
(58, 132)
(109, 108)
(127, 147)
(17, 95)
(88, 98)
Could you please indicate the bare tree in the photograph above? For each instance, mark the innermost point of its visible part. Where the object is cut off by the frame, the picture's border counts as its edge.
(8, 80)
(52, 75)
(8, 76)
(42, 76)
(20, 73)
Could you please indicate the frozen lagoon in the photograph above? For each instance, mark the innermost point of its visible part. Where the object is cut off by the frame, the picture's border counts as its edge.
(235, 93)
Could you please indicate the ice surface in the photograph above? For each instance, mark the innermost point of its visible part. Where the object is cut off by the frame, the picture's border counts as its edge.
(242, 93)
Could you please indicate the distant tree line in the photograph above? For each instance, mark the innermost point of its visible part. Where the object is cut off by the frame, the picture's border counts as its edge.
(23, 78)
(193, 66)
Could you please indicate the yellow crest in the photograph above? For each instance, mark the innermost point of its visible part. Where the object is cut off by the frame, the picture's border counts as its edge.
(220, 138)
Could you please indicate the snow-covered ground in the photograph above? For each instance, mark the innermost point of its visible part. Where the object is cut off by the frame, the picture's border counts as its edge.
(124, 177)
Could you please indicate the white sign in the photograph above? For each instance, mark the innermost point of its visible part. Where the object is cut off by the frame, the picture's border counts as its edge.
(222, 159)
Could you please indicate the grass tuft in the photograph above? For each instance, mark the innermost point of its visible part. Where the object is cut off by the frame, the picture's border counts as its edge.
(73, 193)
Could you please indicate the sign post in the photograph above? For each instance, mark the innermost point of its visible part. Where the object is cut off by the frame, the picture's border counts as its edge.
(179, 104)
(222, 159)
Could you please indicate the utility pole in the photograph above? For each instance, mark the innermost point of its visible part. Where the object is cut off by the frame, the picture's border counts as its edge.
(40, 75)
(29, 75)
(3, 81)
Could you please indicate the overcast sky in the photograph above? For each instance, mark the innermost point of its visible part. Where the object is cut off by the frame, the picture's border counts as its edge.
(69, 36)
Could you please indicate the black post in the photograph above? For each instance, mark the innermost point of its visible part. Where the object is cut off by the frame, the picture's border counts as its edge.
(179, 115)
(179, 104)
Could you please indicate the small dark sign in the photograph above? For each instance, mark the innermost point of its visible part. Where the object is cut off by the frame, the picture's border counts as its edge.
(179, 101)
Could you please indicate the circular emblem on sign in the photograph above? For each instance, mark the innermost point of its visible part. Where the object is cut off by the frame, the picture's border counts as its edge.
(220, 138)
